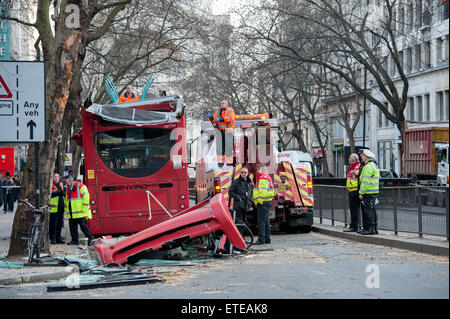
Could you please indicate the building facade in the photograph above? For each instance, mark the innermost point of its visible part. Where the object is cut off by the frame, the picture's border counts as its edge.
(423, 45)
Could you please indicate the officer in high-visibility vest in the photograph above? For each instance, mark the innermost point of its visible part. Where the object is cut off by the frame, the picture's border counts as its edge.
(57, 206)
(369, 181)
(224, 120)
(262, 197)
(353, 196)
(78, 209)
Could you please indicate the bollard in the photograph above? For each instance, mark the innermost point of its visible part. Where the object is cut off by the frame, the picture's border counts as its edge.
(320, 204)
(394, 197)
(345, 206)
(332, 209)
(419, 215)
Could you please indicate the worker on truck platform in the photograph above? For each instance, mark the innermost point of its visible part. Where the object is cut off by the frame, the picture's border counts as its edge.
(353, 195)
(263, 196)
(369, 183)
(128, 95)
(224, 120)
(78, 209)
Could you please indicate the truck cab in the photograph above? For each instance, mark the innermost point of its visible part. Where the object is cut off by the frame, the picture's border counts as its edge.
(442, 177)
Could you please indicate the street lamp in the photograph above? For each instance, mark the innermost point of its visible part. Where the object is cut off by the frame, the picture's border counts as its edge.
(364, 118)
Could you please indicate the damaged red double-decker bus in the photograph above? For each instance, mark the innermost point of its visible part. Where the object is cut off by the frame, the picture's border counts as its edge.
(134, 163)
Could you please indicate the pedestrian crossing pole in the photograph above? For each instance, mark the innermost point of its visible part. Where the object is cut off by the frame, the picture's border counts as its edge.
(36, 160)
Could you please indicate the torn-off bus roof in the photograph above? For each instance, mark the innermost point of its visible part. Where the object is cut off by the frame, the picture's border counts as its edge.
(132, 113)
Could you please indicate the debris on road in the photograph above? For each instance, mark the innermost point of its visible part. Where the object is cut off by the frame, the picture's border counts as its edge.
(208, 217)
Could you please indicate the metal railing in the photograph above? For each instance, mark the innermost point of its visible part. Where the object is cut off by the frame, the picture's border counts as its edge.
(414, 209)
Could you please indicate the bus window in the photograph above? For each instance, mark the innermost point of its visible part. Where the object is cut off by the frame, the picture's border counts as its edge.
(134, 152)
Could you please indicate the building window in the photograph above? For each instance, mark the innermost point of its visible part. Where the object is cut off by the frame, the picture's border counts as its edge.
(400, 60)
(440, 106)
(445, 11)
(418, 58)
(338, 130)
(386, 121)
(401, 19)
(419, 109)
(446, 105)
(410, 15)
(439, 51)
(409, 60)
(380, 118)
(442, 101)
(427, 57)
(419, 14)
(427, 108)
(411, 108)
(392, 66)
(426, 14)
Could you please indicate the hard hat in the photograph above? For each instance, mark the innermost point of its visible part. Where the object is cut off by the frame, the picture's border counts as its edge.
(368, 153)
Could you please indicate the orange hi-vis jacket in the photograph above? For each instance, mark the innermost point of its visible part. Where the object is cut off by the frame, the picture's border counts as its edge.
(227, 118)
(125, 97)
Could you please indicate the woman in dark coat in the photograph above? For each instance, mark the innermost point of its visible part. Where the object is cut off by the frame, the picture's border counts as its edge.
(241, 190)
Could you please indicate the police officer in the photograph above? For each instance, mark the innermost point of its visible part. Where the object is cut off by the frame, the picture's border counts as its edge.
(224, 120)
(353, 196)
(369, 181)
(57, 205)
(263, 196)
(78, 209)
(241, 190)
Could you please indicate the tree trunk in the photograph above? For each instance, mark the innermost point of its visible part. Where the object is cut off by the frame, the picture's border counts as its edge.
(60, 59)
(300, 141)
(401, 128)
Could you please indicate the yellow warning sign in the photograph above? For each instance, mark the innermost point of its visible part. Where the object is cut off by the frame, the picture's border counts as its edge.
(90, 173)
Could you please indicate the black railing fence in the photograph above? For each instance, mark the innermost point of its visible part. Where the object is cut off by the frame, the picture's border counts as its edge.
(414, 209)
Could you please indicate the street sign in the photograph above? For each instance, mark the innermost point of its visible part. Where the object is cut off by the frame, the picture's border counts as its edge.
(68, 159)
(22, 102)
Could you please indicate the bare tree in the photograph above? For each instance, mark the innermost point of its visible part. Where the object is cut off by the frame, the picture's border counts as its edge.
(59, 39)
(369, 34)
(129, 51)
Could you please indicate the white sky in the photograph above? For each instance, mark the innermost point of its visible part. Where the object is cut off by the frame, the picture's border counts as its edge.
(222, 6)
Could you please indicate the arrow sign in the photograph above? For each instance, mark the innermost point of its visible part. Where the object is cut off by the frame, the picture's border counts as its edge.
(31, 124)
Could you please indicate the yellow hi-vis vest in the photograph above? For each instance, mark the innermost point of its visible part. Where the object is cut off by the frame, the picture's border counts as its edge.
(55, 200)
(369, 179)
(78, 199)
(352, 177)
(264, 190)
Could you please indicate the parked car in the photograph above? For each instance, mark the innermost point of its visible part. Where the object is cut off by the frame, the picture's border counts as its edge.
(385, 173)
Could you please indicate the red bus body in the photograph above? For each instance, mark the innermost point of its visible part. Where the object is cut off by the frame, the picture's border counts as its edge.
(123, 161)
(7, 160)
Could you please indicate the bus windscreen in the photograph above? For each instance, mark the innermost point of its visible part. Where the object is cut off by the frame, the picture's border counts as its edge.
(134, 152)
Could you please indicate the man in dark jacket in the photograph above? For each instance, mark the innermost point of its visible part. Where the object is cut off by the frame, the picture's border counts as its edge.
(241, 190)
